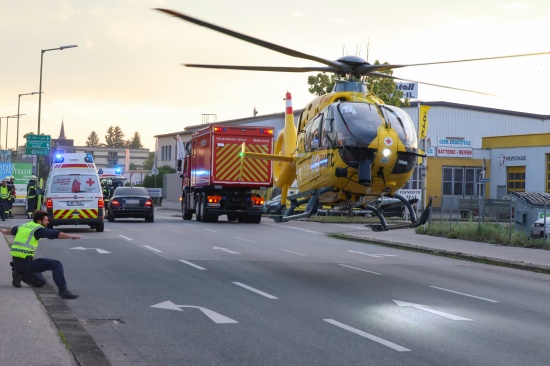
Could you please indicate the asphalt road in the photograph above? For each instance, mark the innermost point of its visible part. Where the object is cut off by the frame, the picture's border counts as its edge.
(180, 292)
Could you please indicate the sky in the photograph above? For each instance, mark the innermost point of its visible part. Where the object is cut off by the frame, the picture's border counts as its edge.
(127, 69)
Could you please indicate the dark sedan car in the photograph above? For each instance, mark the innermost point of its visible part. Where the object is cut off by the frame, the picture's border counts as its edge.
(131, 202)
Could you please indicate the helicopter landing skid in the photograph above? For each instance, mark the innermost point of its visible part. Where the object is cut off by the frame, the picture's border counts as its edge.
(311, 198)
(383, 226)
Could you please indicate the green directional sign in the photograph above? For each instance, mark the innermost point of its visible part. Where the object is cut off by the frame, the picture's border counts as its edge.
(33, 151)
(39, 142)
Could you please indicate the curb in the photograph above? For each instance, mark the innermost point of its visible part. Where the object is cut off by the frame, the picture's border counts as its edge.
(446, 253)
(79, 342)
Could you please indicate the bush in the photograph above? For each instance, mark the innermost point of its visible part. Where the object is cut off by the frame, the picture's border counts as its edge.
(486, 233)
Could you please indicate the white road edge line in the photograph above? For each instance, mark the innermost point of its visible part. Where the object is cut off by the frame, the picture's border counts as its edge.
(384, 342)
(192, 265)
(255, 290)
(290, 251)
(461, 293)
(156, 250)
(243, 239)
(125, 237)
(360, 269)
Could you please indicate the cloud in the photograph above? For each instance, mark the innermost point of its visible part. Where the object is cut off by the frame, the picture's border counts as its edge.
(297, 14)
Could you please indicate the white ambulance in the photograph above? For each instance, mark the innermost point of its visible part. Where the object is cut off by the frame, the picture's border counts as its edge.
(73, 194)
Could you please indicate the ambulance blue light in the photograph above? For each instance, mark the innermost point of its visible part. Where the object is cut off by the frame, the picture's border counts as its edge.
(117, 170)
(89, 158)
(58, 158)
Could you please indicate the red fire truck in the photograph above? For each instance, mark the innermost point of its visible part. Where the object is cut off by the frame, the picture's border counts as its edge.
(217, 180)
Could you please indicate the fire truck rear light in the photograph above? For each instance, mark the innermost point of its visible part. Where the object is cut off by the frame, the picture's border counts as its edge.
(258, 200)
(49, 203)
(214, 199)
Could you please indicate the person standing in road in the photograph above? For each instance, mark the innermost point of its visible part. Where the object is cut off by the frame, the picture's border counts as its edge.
(4, 196)
(28, 269)
(13, 193)
(32, 197)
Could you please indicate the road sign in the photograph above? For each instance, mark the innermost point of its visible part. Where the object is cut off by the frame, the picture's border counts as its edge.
(39, 138)
(38, 142)
(31, 151)
(485, 180)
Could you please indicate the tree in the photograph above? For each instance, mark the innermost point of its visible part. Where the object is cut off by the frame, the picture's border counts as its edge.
(115, 137)
(152, 181)
(93, 140)
(135, 142)
(148, 164)
(132, 166)
(384, 88)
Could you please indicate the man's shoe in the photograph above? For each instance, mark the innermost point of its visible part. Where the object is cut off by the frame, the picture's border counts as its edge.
(66, 294)
(17, 277)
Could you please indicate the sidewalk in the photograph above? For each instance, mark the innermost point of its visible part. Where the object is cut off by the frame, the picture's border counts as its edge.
(523, 258)
(29, 336)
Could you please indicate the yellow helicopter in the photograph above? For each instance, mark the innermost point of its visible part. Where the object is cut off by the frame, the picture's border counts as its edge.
(349, 148)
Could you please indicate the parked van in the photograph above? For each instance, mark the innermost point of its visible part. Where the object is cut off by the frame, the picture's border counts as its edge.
(73, 194)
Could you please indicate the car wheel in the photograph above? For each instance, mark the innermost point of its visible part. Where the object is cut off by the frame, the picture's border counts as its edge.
(110, 217)
(150, 218)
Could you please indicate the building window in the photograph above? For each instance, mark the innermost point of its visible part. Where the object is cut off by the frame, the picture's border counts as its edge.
(112, 162)
(414, 182)
(462, 181)
(516, 179)
(166, 153)
(112, 154)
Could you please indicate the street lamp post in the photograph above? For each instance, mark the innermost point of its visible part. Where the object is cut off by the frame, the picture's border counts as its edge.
(40, 90)
(18, 105)
(7, 125)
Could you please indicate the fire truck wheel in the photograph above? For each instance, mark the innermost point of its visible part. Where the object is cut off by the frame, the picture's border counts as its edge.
(232, 217)
(185, 213)
(198, 208)
(256, 219)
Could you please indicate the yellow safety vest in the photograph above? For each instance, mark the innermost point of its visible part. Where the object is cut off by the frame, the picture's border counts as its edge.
(24, 243)
(4, 192)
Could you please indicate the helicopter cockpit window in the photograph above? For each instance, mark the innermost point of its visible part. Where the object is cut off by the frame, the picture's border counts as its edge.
(313, 132)
(356, 124)
(402, 124)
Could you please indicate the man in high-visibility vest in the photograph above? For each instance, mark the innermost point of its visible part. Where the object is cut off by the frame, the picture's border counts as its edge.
(4, 197)
(28, 269)
(32, 196)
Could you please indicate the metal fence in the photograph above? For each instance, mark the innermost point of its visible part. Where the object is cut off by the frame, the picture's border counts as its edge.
(476, 209)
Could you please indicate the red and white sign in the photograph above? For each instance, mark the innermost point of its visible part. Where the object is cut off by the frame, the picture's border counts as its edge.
(454, 152)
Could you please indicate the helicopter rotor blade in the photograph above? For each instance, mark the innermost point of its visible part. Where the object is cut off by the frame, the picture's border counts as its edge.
(265, 68)
(379, 74)
(287, 51)
(473, 59)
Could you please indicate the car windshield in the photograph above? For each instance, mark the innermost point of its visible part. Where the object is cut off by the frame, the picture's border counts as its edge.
(75, 183)
(131, 191)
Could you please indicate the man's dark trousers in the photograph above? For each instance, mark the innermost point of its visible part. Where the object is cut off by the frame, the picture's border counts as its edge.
(32, 271)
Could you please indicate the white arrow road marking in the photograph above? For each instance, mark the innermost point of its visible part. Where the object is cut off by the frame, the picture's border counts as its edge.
(215, 317)
(290, 251)
(384, 342)
(125, 237)
(192, 265)
(372, 255)
(360, 269)
(255, 290)
(154, 249)
(436, 312)
(243, 239)
(100, 251)
(461, 293)
(226, 250)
